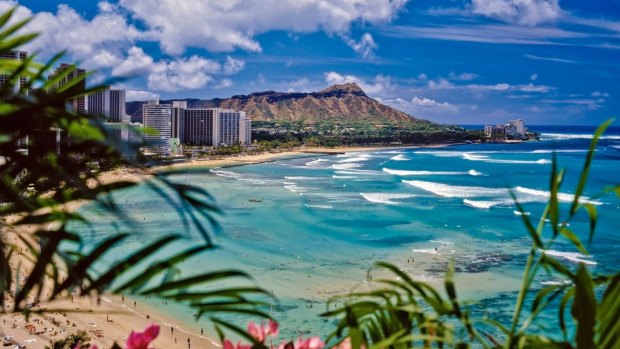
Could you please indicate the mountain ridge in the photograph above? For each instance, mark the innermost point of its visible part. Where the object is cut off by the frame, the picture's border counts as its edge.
(337, 103)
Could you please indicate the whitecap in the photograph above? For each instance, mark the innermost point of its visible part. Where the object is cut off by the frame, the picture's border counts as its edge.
(564, 136)
(399, 157)
(346, 166)
(422, 173)
(326, 207)
(316, 163)
(354, 159)
(427, 250)
(443, 242)
(303, 178)
(481, 203)
(454, 191)
(485, 158)
(549, 151)
(344, 177)
(563, 197)
(556, 282)
(571, 256)
(474, 173)
(224, 173)
(297, 189)
(519, 213)
(359, 172)
(385, 198)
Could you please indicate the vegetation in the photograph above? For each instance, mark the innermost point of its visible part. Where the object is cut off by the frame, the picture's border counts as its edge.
(35, 188)
(327, 134)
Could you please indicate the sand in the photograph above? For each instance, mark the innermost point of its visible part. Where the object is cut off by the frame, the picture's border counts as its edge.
(249, 159)
(107, 320)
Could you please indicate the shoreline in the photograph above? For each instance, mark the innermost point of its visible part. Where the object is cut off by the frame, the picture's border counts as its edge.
(89, 315)
(302, 152)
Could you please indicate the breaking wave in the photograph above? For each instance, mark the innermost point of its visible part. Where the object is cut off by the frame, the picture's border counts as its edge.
(571, 256)
(385, 198)
(399, 157)
(423, 173)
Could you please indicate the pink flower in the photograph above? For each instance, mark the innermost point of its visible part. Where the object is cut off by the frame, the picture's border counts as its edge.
(260, 333)
(308, 343)
(141, 340)
(229, 345)
(346, 344)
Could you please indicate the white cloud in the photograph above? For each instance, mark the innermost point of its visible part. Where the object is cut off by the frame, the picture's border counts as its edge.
(137, 95)
(299, 85)
(534, 88)
(421, 106)
(524, 12)
(422, 77)
(182, 74)
(495, 87)
(136, 63)
(599, 94)
(433, 105)
(365, 47)
(102, 58)
(68, 30)
(233, 66)
(380, 86)
(224, 83)
(440, 84)
(227, 25)
(550, 59)
(533, 77)
(463, 76)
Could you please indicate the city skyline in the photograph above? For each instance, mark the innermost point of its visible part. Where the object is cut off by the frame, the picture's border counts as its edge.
(463, 62)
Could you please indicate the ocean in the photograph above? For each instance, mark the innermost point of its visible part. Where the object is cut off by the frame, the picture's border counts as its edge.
(323, 220)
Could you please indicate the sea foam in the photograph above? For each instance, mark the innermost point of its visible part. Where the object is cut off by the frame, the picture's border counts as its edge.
(346, 166)
(423, 173)
(399, 157)
(571, 256)
(561, 196)
(385, 198)
(456, 191)
(482, 203)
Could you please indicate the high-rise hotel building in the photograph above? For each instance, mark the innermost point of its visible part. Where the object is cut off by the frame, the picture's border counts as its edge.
(196, 126)
(13, 55)
(158, 118)
(76, 105)
(108, 103)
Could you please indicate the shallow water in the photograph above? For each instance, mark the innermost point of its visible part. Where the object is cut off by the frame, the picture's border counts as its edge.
(323, 221)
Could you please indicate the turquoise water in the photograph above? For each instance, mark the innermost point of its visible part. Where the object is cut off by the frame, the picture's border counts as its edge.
(324, 220)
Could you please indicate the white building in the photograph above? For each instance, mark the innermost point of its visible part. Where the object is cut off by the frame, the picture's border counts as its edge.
(516, 128)
(157, 120)
(13, 55)
(233, 127)
(108, 103)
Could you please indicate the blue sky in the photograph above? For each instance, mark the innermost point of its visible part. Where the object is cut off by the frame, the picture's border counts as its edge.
(453, 61)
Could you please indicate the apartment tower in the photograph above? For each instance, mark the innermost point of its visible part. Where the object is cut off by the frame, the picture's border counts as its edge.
(70, 72)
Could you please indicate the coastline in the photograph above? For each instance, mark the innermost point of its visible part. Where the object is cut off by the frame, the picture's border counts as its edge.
(87, 315)
(253, 159)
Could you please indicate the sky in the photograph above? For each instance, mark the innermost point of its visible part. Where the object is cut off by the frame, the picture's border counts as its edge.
(450, 61)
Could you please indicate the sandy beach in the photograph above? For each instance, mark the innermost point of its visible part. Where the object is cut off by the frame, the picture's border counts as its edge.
(113, 317)
(249, 159)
